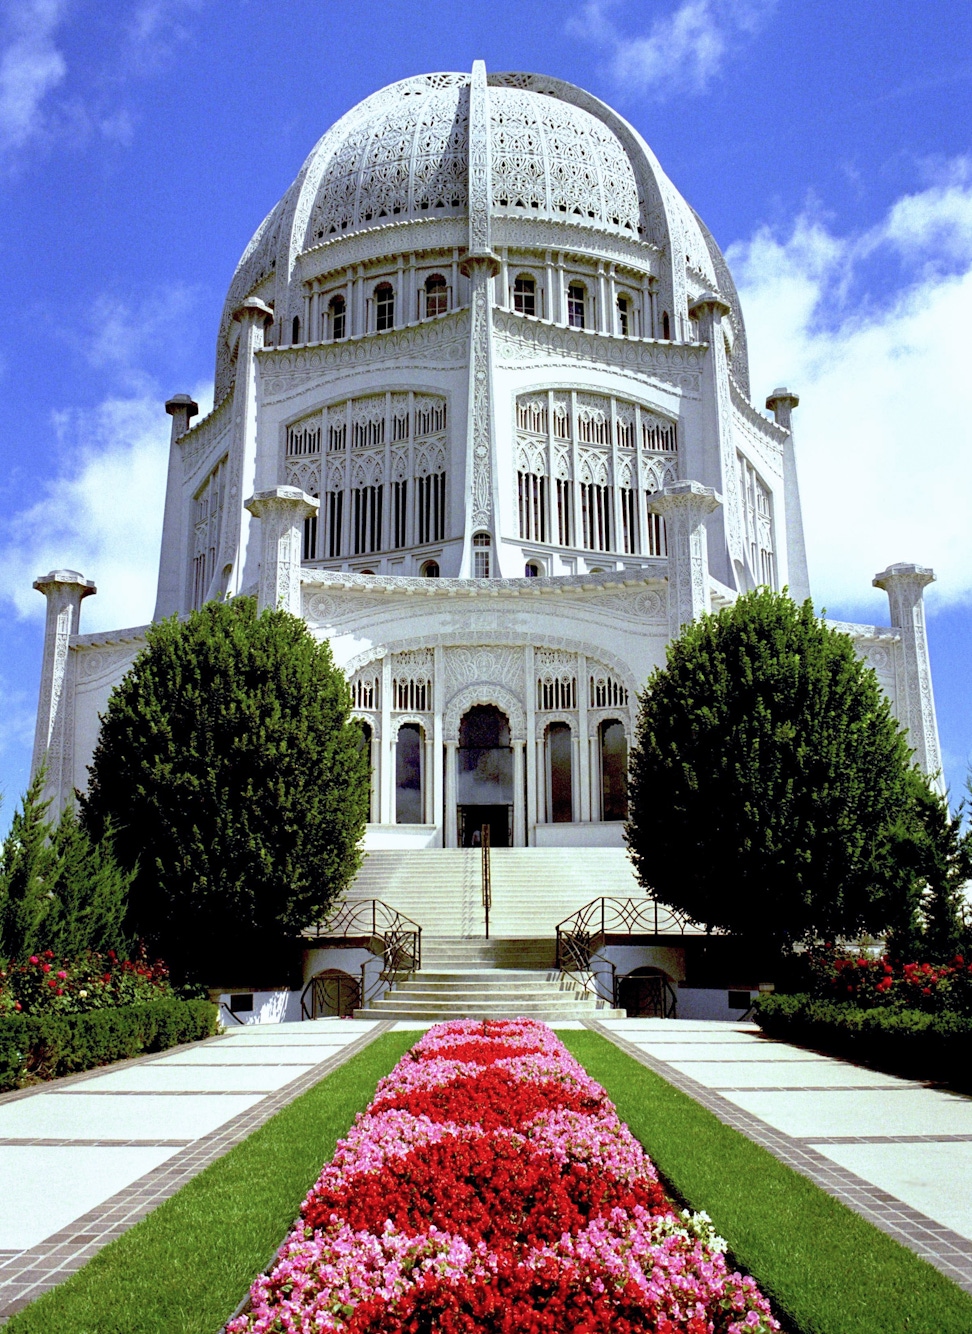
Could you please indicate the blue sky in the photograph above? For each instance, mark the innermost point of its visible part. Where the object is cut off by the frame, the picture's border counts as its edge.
(827, 146)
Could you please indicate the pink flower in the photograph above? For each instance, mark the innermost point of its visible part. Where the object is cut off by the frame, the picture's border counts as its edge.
(62, 975)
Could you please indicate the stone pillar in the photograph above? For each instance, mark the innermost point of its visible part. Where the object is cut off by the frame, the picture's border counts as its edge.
(281, 512)
(64, 590)
(238, 560)
(905, 586)
(393, 780)
(428, 782)
(684, 506)
(583, 685)
(712, 458)
(781, 403)
(386, 781)
(519, 796)
(451, 794)
(575, 768)
(541, 771)
(170, 596)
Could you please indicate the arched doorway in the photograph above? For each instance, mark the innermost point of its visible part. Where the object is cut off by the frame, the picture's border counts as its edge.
(647, 993)
(485, 777)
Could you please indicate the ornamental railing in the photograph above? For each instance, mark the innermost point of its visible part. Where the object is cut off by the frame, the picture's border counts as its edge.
(377, 927)
(582, 936)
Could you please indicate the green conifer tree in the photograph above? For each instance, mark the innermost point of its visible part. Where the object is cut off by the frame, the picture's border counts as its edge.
(27, 865)
(90, 893)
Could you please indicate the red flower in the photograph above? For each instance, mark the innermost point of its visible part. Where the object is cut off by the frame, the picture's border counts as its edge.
(45, 967)
(33, 959)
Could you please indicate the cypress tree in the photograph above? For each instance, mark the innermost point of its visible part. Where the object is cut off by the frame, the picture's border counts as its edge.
(90, 894)
(27, 865)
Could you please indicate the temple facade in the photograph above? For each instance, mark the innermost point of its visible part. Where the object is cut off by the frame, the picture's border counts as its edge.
(483, 419)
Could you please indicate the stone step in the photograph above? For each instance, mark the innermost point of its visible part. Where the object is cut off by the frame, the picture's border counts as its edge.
(543, 1013)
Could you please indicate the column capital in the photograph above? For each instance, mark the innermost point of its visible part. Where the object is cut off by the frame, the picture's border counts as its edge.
(904, 577)
(685, 497)
(709, 301)
(253, 308)
(66, 580)
(283, 500)
(781, 403)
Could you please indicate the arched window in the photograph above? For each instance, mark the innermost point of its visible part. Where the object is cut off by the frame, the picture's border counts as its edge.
(525, 295)
(666, 326)
(560, 796)
(409, 774)
(384, 307)
(531, 570)
(614, 771)
(295, 331)
(481, 551)
(576, 301)
(624, 316)
(337, 313)
(430, 570)
(436, 296)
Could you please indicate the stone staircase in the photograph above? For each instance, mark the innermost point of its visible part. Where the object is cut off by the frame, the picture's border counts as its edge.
(468, 979)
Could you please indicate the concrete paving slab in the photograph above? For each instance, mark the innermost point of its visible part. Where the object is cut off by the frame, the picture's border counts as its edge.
(43, 1188)
(795, 1074)
(120, 1116)
(232, 1053)
(804, 1114)
(933, 1178)
(712, 1051)
(158, 1078)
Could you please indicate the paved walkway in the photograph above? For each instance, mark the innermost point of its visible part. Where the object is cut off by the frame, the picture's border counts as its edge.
(84, 1158)
(898, 1152)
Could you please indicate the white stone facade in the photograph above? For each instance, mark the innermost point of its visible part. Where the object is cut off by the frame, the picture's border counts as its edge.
(483, 419)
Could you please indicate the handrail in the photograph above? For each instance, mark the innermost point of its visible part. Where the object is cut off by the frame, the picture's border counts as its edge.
(487, 877)
(390, 934)
(582, 936)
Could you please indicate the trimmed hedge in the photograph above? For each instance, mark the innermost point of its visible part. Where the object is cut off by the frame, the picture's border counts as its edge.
(36, 1047)
(903, 1042)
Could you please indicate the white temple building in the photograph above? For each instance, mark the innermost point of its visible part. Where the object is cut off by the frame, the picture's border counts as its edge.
(483, 418)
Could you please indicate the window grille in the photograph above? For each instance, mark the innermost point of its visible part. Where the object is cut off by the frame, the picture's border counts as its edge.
(335, 514)
(629, 520)
(533, 506)
(658, 436)
(369, 432)
(303, 439)
(758, 522)
(337, 435)
(564, 505)
(411, 694)
(208, 526)
(338, 313)
(625, 431)
(596, 516)
(310, 538)
(531, 415)
(656, 535)
(384, 307)
(431, 507)
(556, 692)
(608, 693)
(400, 426)
(481, 551)
(525, 296)
(366, 518)
(399, 499)
(367, 692)
(593, 426)
(576, 299)
(430, 417)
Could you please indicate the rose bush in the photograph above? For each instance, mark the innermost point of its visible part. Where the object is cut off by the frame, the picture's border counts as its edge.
(44, 984)
(491, 1186)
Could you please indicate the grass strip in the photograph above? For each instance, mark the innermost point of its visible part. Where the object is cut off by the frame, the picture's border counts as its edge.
(828, 1269)
(184, 1268)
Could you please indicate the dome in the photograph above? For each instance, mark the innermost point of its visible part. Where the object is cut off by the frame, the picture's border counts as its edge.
(556, 154)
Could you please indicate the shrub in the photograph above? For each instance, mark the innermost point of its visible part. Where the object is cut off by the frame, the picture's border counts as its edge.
(45, 1046)
(45, 984)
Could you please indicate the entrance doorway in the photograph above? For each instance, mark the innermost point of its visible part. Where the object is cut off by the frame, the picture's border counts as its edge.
(472, 819)
(485, 777)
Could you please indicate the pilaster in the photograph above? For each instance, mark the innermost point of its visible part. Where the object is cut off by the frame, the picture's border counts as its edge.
(175, 530)
(281, 512)
(685, 506)
(64, 591)
(905, 586)
(781, 403)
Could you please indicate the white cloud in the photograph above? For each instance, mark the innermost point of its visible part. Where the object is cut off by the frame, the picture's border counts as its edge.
(31, 66)
(884, 432)
(102, 516)
(682, 50)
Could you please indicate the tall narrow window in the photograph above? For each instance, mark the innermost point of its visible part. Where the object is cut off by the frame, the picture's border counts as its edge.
(564, 503)
(614, 771)
(436, 296)
(559, 776)
(525, 296)
(431, 507)
(335, 514)
(666, 326)
(533, 506)
(295, 331)
(629, 519)
(576, 314)
(399, 496)
(310, 538)
(481, 552)
(624, 316)
(596, 516)
(384, 307)
(657, 542)
(337, 310)
(366, 518)
(408, 774)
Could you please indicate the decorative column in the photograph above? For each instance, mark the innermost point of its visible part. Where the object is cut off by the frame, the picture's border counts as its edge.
(428, 782)
(519, 796)
(281, 511)
(175, 528)
(451, 795)
(714, 459)
(438, 775)
(480, 265)
(237, 563)
(685, 506)
(583, 686)
(532, 776)
(64, 590)
(905, 586)
(386, 780)
(575, 768)
(781, 403)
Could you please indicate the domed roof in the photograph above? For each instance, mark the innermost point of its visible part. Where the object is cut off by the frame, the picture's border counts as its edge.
(555, 153)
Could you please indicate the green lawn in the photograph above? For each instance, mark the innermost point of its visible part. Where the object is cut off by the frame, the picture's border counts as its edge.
(825, 1267)
(184, 1269)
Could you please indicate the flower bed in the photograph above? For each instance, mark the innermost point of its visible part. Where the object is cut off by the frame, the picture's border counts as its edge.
(491, 1186)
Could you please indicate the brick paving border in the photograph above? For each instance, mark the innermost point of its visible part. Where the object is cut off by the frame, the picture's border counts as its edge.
(26, 1275)
(949, 1252)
